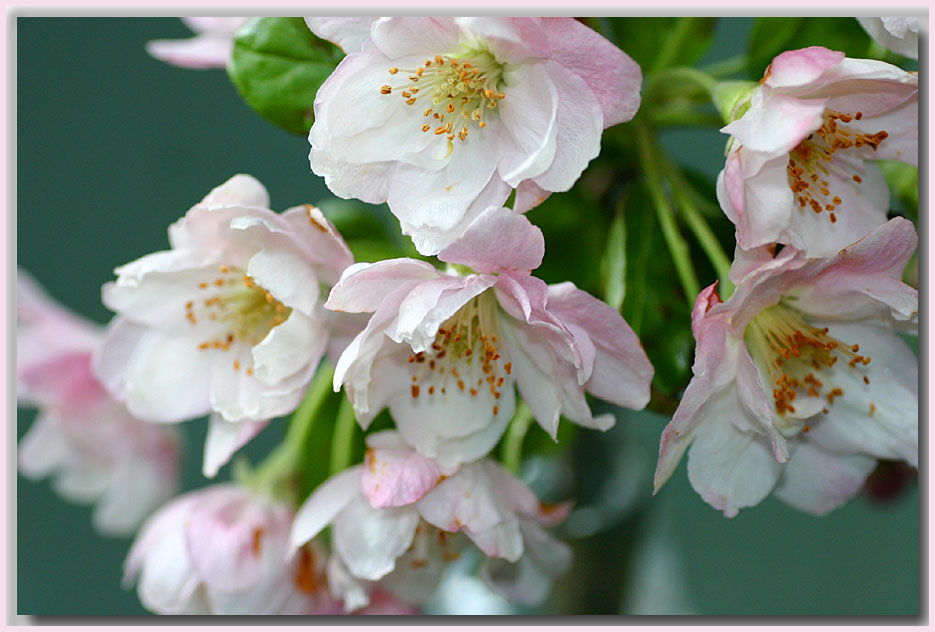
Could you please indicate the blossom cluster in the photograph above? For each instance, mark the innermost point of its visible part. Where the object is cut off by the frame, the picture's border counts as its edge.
(802, 379)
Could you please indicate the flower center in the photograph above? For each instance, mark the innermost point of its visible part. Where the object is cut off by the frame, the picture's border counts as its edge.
(464, 355)
(810, 163)
(240, 309)
(795, 355)
(456, 90)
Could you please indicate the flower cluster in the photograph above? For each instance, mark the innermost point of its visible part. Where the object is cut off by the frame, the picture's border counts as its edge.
(802, 378)
(801, 381)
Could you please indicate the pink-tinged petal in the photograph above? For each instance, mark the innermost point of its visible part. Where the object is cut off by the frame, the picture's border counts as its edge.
(325, 245)
(296, 344)
(393, 477)
(242, 190)
(499, 239)
(43, 449)
(529, 116)
(348, 34)
(777, 123)
(817, 481)
(167, 583)
(396, 37)
(879, 418)
(622, 371)
(529, 195)
(469, 430)
(611, 75)
(797, 68)
(358, 361)
(512, 40)
(439, 200)
(767, 208)
(863, 280)
(746, 261)
(431, 303)
(369, 540)
(430, 239)
(224, 439)
(215, 24)
(902, 127)
(368, 182)
(533, 368)
(758, 410)
(468, 500)
(578, 122)
(863, 207)
(112, 360)
(730, 469)
(64, 381)
(204, 51)
(323, 505)
(136, 486)
(288, 278)
(899, 34)
(154, 289)
(867, 85)
(364, 287)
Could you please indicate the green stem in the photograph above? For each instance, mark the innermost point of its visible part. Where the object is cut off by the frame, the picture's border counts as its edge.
(678, 248)
(726, 67)
(687, 73)
(512, 450)
(286, 456)
(673, 43)
(696, 223)
(342, 443)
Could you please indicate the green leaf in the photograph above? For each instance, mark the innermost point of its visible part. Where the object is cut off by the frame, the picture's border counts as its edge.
(277, 66)
(732, 98)
(614, 263)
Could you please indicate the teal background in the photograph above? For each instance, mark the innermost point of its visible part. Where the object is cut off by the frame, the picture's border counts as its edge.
(113, 146)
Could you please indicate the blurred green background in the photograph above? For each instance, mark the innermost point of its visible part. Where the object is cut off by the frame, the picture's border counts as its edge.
(113, 146)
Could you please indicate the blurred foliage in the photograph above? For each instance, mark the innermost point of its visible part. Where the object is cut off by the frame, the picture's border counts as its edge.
(277, 66)
(658, 42)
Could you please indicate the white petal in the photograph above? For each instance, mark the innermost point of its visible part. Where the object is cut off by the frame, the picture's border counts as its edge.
(818, 481)
(296, 344)
(528, 122)
(323, 505)
(224, 439)
(369, 540)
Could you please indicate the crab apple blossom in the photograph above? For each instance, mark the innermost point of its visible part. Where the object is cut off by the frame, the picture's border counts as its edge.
(210, 48)
(224, 550)
(799, 171)
(443, 117)
(397, 521)
(800, 380)
(95, 450)
(443, 350)
(899, 34)
(230, 319)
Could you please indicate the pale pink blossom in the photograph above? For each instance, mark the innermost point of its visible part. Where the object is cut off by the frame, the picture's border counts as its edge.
(442, 117)
(899, 34)
(444, 350)
(800, 168)
(210, 48)
(395, 520)
(800, 380)
(229, 320)
(94, 449)
(224, 550)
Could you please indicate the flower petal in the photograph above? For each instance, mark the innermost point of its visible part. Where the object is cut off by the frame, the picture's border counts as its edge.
(348, 34)
(797, 68)
(369, 540)
(612, 76)
(224, 439)
(323, 505)
(528, 119)
(393, 477)
(499, 239)
(817, 481)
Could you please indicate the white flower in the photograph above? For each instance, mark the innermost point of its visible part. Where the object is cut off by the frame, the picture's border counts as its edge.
(442, 117)
(95, 450)
(229, 320)
(899, 34)
(397, 521)
(223, 550)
